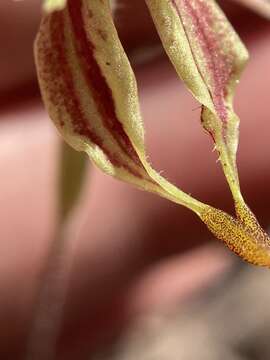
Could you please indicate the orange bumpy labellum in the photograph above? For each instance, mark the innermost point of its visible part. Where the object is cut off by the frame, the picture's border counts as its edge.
(243, 234)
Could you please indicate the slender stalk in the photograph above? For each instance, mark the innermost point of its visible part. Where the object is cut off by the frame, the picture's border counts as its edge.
(48, 312)
(50, 302)
(230, 171)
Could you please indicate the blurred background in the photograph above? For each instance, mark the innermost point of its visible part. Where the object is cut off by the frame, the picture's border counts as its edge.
(147, 279)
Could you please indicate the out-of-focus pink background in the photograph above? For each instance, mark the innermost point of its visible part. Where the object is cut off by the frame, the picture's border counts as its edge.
(133, 251)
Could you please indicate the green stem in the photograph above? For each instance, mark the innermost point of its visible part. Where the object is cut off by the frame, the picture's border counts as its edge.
(229, 170)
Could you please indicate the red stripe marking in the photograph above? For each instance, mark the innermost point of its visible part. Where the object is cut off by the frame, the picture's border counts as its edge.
(55, 66)
(218, 65)
(96, 82)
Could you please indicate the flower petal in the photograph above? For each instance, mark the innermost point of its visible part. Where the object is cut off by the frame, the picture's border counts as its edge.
(90, 92)
(209, 57)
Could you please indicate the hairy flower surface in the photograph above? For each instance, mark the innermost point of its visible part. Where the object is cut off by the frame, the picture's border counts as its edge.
(209, 57)
(90, 92)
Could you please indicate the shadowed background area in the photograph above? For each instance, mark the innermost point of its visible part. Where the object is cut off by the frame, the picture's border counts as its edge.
(135, 256)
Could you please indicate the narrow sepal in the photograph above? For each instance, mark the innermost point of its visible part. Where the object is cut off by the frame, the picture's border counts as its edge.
(209, 57)
(90, 92)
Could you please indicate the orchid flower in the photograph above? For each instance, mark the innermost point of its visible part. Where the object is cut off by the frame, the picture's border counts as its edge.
(90, 92)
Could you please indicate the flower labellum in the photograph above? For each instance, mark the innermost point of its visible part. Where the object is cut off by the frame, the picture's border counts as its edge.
(90, 92)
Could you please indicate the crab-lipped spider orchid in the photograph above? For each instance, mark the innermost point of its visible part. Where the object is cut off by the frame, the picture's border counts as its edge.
(90, 92)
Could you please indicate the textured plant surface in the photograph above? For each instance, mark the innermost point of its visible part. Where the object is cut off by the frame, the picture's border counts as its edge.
(90, 92)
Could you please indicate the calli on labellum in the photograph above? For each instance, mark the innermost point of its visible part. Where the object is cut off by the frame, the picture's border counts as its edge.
(90, 92)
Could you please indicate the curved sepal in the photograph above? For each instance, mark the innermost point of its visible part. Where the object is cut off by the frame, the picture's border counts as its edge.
(90, 92)
(209, 57)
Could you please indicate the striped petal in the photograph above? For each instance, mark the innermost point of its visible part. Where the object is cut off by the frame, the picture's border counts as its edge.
(90, 92)
(209, 57)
